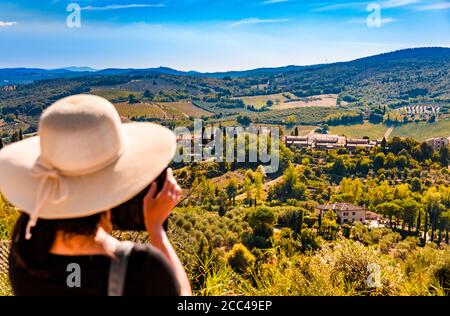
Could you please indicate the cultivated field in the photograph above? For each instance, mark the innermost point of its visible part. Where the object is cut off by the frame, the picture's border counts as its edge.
(373, 131)
(423, 130)
(187, 108)
(258, 101)
(326, 100)
(161, 110)
(283, 101)
(141, 110)
(111, 94)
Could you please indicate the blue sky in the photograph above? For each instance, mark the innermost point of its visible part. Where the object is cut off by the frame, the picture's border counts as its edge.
(212, 35)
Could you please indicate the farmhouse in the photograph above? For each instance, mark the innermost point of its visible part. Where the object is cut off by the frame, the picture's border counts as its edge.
(329, 142)
(438, 142)
(321, 141)
(297, 141)
(353, 143)
(345, 212)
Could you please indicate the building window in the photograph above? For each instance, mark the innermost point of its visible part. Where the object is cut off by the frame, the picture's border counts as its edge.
(353, 213)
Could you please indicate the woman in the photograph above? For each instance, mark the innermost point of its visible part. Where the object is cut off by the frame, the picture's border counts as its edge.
(83, 163)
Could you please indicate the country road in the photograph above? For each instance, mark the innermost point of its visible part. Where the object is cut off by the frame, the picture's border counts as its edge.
(388, 132)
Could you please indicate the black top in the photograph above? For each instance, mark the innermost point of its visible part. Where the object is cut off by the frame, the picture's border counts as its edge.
(148, 273)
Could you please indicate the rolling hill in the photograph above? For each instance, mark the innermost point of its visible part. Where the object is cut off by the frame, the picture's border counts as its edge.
(407, 77)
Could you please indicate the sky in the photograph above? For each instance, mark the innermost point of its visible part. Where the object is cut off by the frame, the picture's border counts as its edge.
(213, 35)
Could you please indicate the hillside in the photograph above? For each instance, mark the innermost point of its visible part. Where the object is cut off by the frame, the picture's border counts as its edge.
(304, 95)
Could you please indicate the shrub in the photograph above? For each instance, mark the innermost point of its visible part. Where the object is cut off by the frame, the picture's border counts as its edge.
(240, 258)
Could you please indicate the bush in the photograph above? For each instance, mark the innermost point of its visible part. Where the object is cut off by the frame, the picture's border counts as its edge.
(240, 258)
(8, 217)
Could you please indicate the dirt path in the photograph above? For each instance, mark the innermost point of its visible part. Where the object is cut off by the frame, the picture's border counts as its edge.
(388, 132)
(266, 187)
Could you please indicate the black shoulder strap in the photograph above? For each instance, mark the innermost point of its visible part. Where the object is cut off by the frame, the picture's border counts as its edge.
(118, 268)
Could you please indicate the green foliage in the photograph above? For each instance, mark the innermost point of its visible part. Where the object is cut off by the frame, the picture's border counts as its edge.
(240, 258)
(291, 186)
(262, 220)
(8, 217)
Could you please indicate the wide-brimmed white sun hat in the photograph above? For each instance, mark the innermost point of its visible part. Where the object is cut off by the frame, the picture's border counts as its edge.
(83, 161)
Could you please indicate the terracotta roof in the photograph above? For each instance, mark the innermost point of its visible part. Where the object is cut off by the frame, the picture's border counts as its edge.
(357, 141)
(341, 207)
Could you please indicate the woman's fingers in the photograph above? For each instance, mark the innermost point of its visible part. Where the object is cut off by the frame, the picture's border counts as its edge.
(151, 192)
(167, 183)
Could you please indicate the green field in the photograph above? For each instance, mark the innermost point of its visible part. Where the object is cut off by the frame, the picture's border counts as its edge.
(258, 101)
(373, 131)
(111, 94)
(303, 130)
(187, 108)
(422, 130)
(147, 110)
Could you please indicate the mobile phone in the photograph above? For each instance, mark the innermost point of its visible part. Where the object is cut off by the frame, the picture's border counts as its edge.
(130, 214)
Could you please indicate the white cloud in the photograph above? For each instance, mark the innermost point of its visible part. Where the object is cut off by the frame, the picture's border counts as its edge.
(434, 6)
(5, 24)
(274, 1)
(255, 21)
(339, 6)
(363, 4)
(398, 3)
(120, 6)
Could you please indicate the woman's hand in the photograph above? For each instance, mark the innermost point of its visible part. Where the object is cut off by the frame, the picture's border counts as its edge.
(157, 209)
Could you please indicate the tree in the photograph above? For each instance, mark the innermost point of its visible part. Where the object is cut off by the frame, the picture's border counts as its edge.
(401, 162)
(231, 190)
(244, 120)
(427, 151)
(258, 185)
(444, 156)
(433, 207)
(290, 187)
(132, 99)
(378, 162)
(148, 95)
(291, 120)
(269, 103)
(16, 136)
(262, 219)
(1, 143)
(389, 209)
(383, 144)
(416, 185)
(296, 131)
(410, 211)
(445, 224)
(339, 167)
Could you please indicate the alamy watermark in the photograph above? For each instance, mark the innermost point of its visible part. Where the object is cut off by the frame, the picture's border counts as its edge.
(374, 18)
(374, 278)
(74, 18)
(74, 277)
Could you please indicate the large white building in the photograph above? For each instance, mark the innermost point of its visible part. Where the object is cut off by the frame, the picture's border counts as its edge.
(345, 212)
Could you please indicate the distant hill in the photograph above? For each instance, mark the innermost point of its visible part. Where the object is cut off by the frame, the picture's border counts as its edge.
(407, 77)
(415, 55)
(78, 69)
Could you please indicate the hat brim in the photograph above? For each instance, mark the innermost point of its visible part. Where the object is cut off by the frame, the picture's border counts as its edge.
(149, 148)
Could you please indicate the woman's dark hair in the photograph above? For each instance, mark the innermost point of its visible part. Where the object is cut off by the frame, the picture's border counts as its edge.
(32, 254)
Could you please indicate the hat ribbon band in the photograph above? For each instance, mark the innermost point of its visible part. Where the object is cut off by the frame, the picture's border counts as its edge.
(53, 184)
